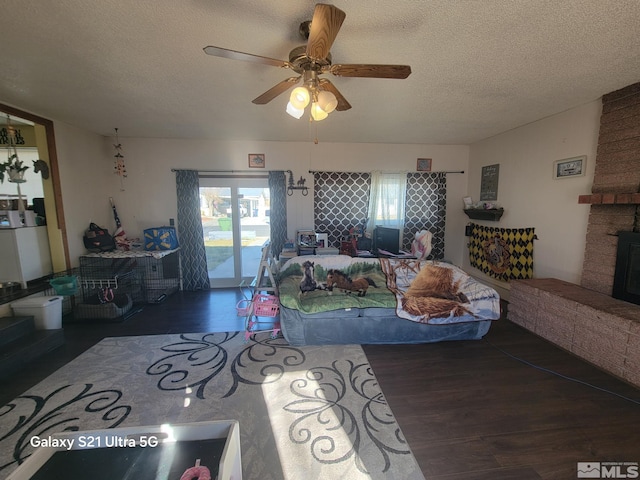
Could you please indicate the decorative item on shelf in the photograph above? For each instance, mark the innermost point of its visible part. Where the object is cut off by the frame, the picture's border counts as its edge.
(299, 185)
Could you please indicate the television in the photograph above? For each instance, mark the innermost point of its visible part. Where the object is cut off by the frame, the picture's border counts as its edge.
(386, 238)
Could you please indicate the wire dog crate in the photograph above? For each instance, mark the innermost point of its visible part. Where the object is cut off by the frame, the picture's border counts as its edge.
(156, 274)
(86, 298)
(106, 298)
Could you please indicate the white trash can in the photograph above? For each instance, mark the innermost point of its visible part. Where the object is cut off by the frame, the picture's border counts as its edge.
(46, 311)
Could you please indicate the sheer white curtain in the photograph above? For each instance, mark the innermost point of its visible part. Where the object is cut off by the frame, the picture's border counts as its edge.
(387, 201)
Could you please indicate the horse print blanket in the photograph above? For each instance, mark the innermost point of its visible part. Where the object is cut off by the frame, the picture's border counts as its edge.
(421, 291)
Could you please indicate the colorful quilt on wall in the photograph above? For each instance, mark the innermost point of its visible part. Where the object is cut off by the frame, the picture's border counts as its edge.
(502, 253)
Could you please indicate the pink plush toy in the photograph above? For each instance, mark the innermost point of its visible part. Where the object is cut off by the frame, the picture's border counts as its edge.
(421, 245)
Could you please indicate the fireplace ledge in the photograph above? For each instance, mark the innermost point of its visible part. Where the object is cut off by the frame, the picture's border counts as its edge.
(610, 199)
(596, 327)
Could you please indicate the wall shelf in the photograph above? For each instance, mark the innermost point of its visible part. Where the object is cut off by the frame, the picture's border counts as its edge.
(493, 214)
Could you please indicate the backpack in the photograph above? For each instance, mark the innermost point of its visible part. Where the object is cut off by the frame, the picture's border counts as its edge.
(97, 239)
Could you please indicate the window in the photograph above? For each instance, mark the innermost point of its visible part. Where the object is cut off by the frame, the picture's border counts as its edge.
(387, 201)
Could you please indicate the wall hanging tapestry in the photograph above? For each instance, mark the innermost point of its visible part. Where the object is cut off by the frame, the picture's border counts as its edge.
(502, 253)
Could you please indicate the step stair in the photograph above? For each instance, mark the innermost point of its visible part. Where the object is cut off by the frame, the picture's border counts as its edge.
(21, 343)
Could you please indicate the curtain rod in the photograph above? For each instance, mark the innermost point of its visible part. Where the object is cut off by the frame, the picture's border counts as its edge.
(441, 171)
(310, 171)
(255, 171)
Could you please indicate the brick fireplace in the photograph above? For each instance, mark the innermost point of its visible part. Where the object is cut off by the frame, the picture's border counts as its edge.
(585, 319)
(615, 197)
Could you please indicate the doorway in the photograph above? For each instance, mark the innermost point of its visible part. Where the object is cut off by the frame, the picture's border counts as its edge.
(235, 215)
(41, 132)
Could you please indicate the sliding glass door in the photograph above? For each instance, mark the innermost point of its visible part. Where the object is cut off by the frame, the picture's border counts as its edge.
(235, 219)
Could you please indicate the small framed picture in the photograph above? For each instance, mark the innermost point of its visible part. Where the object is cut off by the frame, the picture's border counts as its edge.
(570, 167)
(256, 160)
(423, 165)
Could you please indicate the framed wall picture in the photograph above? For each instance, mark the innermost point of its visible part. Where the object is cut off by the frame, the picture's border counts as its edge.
(570, 167)
(489, 182)
(256, 160)
(423, 165)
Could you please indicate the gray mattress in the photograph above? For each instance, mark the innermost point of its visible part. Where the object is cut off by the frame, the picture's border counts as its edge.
(370, 326)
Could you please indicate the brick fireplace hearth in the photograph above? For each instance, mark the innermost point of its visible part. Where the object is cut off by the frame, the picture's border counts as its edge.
(585, 319)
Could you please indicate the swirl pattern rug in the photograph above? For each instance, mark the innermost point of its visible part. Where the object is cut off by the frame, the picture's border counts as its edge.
(304, 412)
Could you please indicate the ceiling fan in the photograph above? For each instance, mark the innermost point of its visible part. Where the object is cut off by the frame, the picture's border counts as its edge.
(309, 62)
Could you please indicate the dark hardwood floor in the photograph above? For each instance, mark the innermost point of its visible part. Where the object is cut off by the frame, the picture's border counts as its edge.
(469, 410)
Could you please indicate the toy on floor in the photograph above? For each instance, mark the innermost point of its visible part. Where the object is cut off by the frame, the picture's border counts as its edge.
(196, 473)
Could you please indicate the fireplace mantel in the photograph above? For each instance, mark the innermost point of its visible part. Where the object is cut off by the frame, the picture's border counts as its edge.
(610, 199)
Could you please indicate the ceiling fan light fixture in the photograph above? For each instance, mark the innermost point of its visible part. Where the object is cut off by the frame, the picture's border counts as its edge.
(317, 113)
(294, 112)
(327, 101)
(300, 98)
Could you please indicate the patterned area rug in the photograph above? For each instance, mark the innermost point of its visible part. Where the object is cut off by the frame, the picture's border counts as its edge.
(304, 412)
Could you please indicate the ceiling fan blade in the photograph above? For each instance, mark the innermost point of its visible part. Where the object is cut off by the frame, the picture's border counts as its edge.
(342, 102)
(273, 92)
(325, 25)
(245, 57)
(371, 71)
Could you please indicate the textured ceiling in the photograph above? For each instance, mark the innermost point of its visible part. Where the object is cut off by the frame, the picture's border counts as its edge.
(479, 67)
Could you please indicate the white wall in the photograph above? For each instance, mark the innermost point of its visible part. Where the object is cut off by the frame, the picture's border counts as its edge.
(147, 197)
(531, 196)
(527, 190)
(86, 182)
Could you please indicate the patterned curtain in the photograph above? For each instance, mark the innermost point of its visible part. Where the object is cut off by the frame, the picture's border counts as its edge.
(425, 209)
(278, 214)
(192, 252)
(341, 201)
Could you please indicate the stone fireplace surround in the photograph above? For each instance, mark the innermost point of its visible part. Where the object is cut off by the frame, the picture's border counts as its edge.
(585, 319)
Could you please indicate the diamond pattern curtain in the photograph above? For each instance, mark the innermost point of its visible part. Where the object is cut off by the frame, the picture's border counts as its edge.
(341, 201)
(192, 252)
(425, 209)
(278, 214)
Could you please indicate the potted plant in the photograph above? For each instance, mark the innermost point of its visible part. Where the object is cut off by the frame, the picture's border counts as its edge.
(13, 167)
